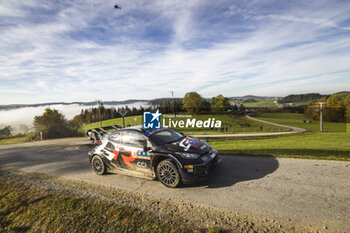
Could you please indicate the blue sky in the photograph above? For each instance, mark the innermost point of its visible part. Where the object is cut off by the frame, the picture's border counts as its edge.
(86, 50)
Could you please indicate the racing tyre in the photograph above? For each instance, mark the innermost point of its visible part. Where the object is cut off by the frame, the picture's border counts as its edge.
(98, 165)
(168, 174)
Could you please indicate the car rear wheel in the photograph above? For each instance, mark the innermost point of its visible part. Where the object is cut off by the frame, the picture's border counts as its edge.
(98, 165)
(168, 174)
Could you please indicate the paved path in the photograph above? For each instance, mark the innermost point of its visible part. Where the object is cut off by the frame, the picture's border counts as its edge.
(295, 189)
(292, 131)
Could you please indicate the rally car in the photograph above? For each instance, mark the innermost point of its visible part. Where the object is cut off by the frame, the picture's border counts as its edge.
(163, 153)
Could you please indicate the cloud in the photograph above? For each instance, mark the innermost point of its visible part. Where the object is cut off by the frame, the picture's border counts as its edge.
(86, 50)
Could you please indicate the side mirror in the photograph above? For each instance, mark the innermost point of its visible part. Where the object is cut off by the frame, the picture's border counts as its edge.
(145, 148)
(182, 133)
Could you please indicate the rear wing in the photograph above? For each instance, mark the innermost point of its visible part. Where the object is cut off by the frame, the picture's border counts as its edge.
(95, 134)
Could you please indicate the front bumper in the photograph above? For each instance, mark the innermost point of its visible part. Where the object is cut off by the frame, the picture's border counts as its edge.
(201, 172)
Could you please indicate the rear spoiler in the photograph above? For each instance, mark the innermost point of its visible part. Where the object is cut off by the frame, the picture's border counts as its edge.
(96, 134)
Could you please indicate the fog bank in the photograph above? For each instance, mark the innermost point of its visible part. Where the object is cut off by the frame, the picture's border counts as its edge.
(25, 115)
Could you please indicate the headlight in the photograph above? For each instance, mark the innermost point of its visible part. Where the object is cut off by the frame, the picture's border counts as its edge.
(189, 155)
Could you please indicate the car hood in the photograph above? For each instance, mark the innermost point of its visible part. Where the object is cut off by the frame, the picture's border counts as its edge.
(189, 144)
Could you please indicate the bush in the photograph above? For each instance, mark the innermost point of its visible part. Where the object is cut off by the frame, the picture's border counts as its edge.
(53, 124)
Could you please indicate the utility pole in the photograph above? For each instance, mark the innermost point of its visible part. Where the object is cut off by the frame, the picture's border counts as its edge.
(321, 116)
(172, 97)
(99, 107)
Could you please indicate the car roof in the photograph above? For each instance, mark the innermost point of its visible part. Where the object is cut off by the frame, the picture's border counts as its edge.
(136, 127)
(139, 128)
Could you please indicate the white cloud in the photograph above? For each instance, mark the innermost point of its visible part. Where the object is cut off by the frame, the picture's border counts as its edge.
(87, 50)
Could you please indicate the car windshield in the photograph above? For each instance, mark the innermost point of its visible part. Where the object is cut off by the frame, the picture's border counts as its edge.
(165, 136)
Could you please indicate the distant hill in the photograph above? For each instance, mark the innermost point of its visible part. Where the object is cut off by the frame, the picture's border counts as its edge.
(253, 97)
(344, 94)
(302, 97)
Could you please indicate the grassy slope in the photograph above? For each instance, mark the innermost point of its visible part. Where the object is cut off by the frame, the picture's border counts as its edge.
(269, 103)
(23, 208)
(333, 144)
(13, 140)
(234, 126)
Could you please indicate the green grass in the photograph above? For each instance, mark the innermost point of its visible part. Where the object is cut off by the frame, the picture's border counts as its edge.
(13, 140)
(334, 144)
(24, 209)
(233, 124)
(295, 119)
(269, 103)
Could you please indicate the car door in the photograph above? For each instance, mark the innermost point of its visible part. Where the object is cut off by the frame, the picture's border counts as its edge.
(130, 151)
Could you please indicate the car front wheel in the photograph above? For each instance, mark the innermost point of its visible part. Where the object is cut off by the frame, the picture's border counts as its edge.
(98, 165)
(168, 174)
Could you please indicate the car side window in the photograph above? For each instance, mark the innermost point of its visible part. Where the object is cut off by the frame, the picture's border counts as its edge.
(133, 139)
(110, 147)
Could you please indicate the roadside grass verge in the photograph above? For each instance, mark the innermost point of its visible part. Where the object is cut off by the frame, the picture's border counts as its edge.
(25, 209)
(333, 144)
(14, 140)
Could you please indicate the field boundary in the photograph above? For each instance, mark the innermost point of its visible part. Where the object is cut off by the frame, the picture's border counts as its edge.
(293, 130)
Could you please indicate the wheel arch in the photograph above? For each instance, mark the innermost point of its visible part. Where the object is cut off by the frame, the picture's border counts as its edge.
(157, 159)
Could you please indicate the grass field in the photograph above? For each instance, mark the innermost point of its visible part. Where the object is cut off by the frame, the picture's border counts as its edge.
(233, 124)
(333, 144)
(25, 209)
(13, 140)
(269, 103)
(295, 119)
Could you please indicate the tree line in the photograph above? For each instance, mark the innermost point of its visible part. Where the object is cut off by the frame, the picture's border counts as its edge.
(303, 98)
(335, 109)
(192, 103)
(53, 124)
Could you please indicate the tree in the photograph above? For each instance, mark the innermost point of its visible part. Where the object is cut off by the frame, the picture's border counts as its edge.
(312, 111)
(335, 109)
(53, 125)
(6, 131)
(347, 108)
(219, 103)
(192, 102)
(242, 109)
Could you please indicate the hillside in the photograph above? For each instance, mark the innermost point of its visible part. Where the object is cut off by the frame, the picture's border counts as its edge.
(302, 97)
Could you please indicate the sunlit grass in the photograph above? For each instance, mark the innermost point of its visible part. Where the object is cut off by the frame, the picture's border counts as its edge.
(23, 208)
(333, 144)
(13, 140)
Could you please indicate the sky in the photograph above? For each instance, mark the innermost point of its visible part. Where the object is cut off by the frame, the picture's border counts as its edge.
(86, 50)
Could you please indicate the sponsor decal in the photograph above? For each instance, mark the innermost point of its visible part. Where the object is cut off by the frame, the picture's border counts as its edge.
(187, 142)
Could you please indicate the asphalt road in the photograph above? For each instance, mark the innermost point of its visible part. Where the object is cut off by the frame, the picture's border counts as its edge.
(285, 189)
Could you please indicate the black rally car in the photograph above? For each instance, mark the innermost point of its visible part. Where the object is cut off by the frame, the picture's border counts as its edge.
(160, 153)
